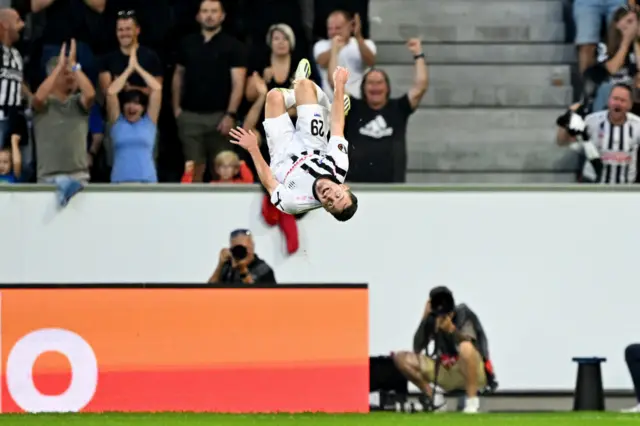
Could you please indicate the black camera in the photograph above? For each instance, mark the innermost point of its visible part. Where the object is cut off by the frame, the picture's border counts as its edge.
(239, 252)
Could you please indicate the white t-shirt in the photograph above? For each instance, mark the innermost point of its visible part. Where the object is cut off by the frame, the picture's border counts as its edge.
(294, 195)
(348, 57)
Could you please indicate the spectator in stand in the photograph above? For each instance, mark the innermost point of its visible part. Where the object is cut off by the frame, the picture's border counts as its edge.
(115, 63)
(61, 124)
(11, 162)
(208, 87)
(323, 8)
(230, 169)
(618, 61)
(95, 153)
(632, 357)
(588, 16)
(346, 47)
(239, 264)
(11, 72)
(153, 16)
(377, 125)
(133, 130)
(71, 19)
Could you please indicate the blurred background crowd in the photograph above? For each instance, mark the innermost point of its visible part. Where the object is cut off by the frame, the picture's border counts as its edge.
(146, 91)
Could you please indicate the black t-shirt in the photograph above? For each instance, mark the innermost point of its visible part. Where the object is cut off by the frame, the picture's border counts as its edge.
(377, 140)
(116, 63)
(207, 80)
(67, 19)
(259, 270)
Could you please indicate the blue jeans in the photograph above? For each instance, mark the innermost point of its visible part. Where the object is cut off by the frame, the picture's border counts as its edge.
(588, 16)
(602, 97)
(86, 58)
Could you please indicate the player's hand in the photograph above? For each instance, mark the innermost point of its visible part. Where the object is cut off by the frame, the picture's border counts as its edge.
(340, 76)
(415, 46)
(246, 139)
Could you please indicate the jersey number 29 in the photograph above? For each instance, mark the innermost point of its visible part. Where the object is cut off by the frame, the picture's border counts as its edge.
(317, 128)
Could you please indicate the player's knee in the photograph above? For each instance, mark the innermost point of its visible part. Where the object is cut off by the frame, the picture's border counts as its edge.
(306, 86)
(404, 360)
(275, 99)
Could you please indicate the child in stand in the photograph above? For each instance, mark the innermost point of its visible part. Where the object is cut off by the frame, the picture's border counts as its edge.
(11, 162)
(230, 169)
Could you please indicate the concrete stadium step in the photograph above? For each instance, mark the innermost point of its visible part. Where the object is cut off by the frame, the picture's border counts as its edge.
(396, 53)
(468, 12)
(506, 178)
(482, 155)
(401, 76)
(507, 32)
(486, 139)
(493, 96)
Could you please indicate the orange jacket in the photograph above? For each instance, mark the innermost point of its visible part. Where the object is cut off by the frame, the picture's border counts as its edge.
(244, 176)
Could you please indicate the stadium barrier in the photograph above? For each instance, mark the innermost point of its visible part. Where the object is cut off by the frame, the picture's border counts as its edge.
(193, 348)
(541, 265)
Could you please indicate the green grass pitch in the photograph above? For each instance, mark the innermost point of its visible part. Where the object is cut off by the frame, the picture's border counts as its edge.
(374, 419)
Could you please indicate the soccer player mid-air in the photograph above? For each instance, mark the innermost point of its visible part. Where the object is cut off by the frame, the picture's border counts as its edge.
(306, 171)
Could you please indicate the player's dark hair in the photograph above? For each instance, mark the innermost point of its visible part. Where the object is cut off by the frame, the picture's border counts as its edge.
(348, 212)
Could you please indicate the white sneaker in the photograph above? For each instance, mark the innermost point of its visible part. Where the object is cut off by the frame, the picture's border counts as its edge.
(471, 405)
(303, 71)
(635, 409)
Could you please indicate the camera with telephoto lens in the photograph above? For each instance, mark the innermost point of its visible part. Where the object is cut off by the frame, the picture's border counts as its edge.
(239, 252)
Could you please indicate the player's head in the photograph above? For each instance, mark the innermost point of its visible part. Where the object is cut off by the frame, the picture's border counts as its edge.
(211, 15)
(375, 87)
(127, 28)
(620, 101)
(336, 197)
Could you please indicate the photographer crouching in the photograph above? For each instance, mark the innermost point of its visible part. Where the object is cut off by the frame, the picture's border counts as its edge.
(239, 264)
(460, 358)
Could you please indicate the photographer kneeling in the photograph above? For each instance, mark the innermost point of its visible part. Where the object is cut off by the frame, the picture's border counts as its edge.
(460, 360)
(239, 264)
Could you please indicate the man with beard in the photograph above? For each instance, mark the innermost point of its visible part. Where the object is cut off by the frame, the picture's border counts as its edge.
(608, 139)
(11, 74)
(115, 63)
(207, 88)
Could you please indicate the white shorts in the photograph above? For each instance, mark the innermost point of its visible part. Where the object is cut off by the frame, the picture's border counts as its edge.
(309, 134)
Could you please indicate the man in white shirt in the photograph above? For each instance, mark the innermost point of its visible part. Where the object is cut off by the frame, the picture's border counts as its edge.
(306, 172)
(346, 47)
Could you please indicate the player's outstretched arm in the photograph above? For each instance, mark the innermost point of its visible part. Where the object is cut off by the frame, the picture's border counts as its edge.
(249, 141)
(340, 78)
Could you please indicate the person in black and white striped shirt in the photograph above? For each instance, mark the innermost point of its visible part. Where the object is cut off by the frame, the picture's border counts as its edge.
(11, 68)
(609, 139)
(307, 171)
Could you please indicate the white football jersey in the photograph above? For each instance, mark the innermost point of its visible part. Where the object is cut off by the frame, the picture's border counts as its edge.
(294, 195)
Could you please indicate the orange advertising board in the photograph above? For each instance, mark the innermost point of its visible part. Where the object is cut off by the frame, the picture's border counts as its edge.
(221, 350)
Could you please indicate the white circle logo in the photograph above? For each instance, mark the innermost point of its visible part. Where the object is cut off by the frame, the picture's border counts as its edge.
(84, 371)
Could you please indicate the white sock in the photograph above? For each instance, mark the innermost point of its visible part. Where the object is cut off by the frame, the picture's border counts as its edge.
(289, 98)
(323, 99)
